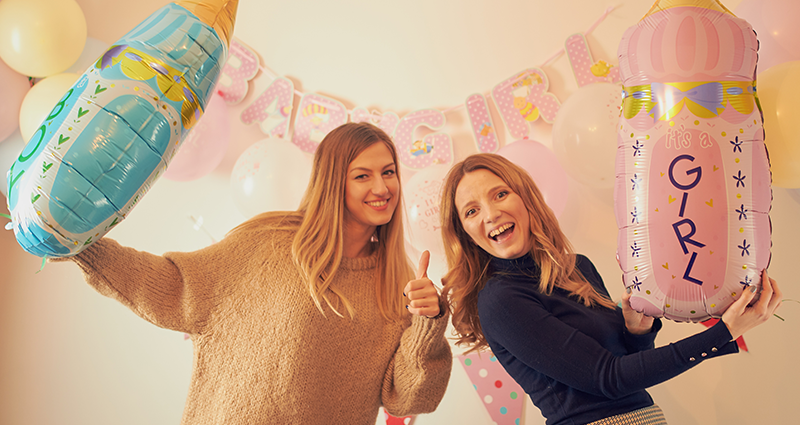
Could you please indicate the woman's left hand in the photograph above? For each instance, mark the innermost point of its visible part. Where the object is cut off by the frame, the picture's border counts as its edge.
(637, 323)
(423, 298)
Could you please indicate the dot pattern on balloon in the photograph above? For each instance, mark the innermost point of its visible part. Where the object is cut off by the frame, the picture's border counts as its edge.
(496, 389)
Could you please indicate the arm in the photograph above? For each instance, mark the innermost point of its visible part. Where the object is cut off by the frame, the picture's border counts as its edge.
(517, 321)
(640, 330)
(417, 376)
(176, 291)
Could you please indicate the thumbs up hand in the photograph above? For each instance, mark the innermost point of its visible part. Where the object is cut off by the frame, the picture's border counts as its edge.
(423, 298)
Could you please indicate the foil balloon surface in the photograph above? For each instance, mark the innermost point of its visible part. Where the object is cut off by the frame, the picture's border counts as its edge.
(114, 131)
(693, 191)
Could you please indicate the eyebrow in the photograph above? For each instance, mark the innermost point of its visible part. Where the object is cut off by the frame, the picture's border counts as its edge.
(391, 164)
(491, 190)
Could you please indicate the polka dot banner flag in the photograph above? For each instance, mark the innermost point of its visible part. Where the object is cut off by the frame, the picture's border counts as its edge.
(392, 420)
(501, 395)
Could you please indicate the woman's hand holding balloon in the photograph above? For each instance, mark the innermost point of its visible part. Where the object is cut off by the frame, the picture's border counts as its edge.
(423, 298)
(740, 317)
(636, 323)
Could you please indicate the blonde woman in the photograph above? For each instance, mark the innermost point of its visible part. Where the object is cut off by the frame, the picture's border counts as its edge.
(299, 317)
(516, 287)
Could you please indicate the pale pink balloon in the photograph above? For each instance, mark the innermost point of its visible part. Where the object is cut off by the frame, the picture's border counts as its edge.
(13, 87)
(543, 166)
(775, 22)
(204, 147)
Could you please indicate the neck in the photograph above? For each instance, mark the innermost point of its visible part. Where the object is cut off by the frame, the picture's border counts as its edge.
(357, 241)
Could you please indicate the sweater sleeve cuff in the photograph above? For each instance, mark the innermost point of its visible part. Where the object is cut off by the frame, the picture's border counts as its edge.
(635, 343)
(713, 342)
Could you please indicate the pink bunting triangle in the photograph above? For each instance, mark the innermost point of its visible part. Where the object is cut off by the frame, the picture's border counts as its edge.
(501, 395)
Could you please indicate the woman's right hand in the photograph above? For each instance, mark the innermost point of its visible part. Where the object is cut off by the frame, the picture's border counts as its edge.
(740, 317)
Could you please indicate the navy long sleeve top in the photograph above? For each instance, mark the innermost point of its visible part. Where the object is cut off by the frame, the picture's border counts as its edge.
(579, 364)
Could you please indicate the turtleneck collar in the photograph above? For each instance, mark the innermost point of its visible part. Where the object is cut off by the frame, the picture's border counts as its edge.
(523, 265)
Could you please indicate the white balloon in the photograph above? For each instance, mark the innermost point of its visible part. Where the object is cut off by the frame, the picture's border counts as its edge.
(421, 196)
(585, 133)
(270, 175)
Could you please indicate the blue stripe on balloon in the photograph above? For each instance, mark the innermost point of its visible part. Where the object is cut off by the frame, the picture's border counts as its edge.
(105, 168)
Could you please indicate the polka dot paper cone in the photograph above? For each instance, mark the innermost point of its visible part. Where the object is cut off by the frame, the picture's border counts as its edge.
(500, 394)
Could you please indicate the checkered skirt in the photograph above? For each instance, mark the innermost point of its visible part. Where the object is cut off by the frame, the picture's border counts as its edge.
(648, 416)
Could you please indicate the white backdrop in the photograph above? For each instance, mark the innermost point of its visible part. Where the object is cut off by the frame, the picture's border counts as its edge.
(70, 356)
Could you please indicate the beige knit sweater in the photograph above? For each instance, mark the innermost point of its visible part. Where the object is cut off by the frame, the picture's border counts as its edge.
(263, 352)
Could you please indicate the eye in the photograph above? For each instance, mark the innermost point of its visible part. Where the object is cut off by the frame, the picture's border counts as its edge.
(470, 212)
(502, 194)
(389, 172)
(360, 177)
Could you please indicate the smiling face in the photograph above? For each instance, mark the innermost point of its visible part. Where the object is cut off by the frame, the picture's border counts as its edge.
(493, 215)
(372, 189)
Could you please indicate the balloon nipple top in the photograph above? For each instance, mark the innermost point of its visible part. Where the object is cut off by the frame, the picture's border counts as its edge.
(715, 5)
(218, 14)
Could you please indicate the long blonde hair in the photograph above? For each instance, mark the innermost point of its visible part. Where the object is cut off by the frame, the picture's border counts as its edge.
(468, 264)
(318, 245)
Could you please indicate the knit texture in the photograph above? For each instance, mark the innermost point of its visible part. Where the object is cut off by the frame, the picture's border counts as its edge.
(263, 352)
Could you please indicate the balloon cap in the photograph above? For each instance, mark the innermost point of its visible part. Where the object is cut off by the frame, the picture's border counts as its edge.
(218, 14)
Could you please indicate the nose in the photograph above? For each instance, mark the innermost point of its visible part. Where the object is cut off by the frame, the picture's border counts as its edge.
(491, 213)
(379, 187)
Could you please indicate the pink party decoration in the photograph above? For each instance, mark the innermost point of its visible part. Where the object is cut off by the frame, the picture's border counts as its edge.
(501, 395)
(273, 108)
(241, 67)
(543, 166)
(435, 148)
(393, 420)
(692, 190)
(203, 149)
(386, 121)
(317, 116)
(775, 23)
(14, 87)
(585, 69)
(421, 196)
(523, 98)
(480, 120)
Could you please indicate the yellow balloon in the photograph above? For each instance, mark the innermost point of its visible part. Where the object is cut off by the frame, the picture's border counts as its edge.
(40, 100)
(779, 94)
(39, 38)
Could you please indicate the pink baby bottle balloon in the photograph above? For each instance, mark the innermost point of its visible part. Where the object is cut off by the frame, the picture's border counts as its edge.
(692, 193)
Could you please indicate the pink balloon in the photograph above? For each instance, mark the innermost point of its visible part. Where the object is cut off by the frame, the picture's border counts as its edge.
(13, 86)
(692, 193)
(204, 147)
(775, 22)
(543, 166)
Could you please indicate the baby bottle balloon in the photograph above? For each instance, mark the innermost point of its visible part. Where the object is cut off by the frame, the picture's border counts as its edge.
(692, 193)
(112, 134)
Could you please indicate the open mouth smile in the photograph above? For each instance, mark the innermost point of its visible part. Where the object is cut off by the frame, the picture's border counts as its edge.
(501, 232)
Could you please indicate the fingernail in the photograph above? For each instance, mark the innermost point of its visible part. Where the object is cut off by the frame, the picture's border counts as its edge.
(753, 288)
(406, 307)
(404, 294)
(628, 289)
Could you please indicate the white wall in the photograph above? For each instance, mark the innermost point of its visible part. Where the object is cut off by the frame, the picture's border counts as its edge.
(70, 356)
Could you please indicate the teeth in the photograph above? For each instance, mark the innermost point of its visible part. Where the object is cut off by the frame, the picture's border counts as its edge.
(378, 203)
(499, 230)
